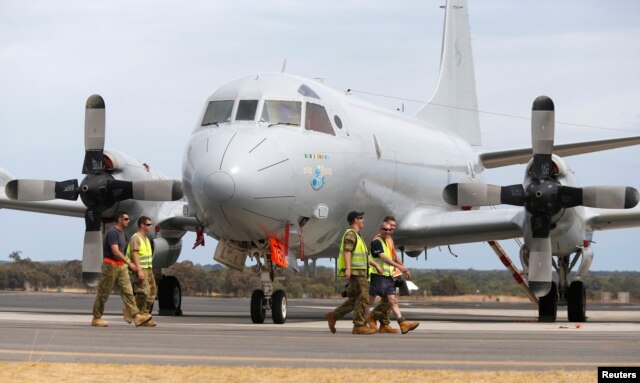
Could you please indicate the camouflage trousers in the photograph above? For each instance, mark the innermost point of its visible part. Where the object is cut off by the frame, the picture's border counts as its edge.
(357, 300)
(144, 290)
(382, 311)
(114, 275)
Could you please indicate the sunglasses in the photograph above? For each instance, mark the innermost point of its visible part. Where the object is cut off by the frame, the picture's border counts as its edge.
(148, 224)
(387, 230)
(125, 219)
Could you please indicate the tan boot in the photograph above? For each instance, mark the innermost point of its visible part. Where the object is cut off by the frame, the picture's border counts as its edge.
(331, 319)
(141, 319)
(363, 330)
(386, 329)
(407, 326)
(126, 315)
(150, 323)
(99, 322)
(372, 322)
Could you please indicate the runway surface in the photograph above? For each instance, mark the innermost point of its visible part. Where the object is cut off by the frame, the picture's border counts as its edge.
(218, 331)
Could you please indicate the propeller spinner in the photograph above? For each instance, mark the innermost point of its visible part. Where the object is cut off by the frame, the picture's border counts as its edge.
(98, 190)
(542, 196)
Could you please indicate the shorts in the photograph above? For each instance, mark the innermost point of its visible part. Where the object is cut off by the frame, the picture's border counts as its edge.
(381, 286)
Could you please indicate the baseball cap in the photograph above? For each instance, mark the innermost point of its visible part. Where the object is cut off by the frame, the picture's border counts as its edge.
(353, 215)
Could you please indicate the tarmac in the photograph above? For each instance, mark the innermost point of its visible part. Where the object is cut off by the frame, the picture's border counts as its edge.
(55, 327)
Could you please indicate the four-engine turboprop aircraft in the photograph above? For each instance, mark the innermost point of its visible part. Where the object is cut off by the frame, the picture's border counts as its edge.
(276, 162)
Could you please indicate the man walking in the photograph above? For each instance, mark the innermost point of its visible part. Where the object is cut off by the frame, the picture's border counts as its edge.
(114, 272)
(140, 252)
(382, 282)
(353, 262)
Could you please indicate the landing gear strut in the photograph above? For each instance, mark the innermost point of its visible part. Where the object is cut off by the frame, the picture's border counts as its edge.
(266, 299)
(573, 295)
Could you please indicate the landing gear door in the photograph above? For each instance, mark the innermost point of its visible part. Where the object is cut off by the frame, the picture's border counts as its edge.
(230, 255)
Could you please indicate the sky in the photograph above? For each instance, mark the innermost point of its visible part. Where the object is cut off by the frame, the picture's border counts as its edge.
(156, 62)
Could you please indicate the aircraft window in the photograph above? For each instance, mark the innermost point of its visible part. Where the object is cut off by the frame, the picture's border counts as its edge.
(317, 119)
(338, 121)
(217, 111)
(282, 112)
(247, 110)
(308, 92)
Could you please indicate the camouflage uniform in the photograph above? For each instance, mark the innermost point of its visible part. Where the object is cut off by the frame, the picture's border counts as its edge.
(382, 311)
(118, 275)
(358, 290)
(145, 290)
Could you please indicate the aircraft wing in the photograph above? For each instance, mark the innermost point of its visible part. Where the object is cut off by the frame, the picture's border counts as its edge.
(606, 219)
(496, 159)
(425, 228)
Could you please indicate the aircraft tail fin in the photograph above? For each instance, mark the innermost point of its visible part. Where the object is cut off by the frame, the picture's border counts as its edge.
(454, 104)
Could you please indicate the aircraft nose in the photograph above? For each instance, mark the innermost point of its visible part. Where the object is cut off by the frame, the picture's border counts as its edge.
(245, 187)
(219, 186)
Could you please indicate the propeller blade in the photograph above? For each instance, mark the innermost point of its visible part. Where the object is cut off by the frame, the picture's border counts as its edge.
(67, 190)
(120, 190)
(157, 190)
(471, 194)
(542, 133)
(512, 195)
(570, 196)
(539, 265)
(540, 226)
(94, 130)
(610, 197)
(92, 249)
(30, 190)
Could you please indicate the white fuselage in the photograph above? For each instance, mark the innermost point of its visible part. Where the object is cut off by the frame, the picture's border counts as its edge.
(246, 179)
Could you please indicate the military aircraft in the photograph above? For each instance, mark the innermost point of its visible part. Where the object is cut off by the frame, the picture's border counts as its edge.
(277, 161)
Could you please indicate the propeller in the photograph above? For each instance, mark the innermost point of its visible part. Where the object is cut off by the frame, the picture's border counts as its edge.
(98, 190)
(542, 196)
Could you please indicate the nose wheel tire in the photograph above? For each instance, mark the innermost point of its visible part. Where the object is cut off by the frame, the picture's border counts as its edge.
(170, 296)
(279, 307)
(577, 302)
(258, 310)
(548, 308)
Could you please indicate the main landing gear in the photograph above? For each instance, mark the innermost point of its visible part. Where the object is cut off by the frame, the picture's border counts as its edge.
(573, 295)
(266, 299)
(169, 296)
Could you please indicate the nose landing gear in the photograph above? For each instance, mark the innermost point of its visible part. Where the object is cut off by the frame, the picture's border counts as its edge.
(266, 299)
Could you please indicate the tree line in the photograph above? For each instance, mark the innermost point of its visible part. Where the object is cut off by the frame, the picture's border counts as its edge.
(24, 274)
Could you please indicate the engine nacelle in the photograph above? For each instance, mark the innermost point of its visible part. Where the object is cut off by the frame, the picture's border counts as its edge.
(166, 252)
(128, 168)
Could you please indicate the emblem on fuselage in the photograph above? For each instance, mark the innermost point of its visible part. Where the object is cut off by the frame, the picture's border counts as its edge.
(319, 173)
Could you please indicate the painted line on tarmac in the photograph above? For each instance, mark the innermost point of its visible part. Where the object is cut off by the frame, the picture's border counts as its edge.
(333, 362)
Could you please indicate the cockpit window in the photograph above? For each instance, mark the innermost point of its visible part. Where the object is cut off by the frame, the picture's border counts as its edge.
(281, 112)
(317, 119)
(247, 110)
(217, 111)
(306, 91)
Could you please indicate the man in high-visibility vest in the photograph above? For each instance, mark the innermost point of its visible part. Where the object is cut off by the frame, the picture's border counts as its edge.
(114, 271)
(140, 252)
(382, 282)
(382, 312)
(353, 263)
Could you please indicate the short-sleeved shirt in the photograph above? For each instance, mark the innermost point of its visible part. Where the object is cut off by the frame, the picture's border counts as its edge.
(114, 236)
(350, 240)
(376, 248)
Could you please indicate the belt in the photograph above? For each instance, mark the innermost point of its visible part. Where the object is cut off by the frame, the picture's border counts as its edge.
(113, 261)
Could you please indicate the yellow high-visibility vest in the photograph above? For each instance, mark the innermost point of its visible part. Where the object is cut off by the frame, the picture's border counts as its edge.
(387, 269)
(145, 253)
(359, 255)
